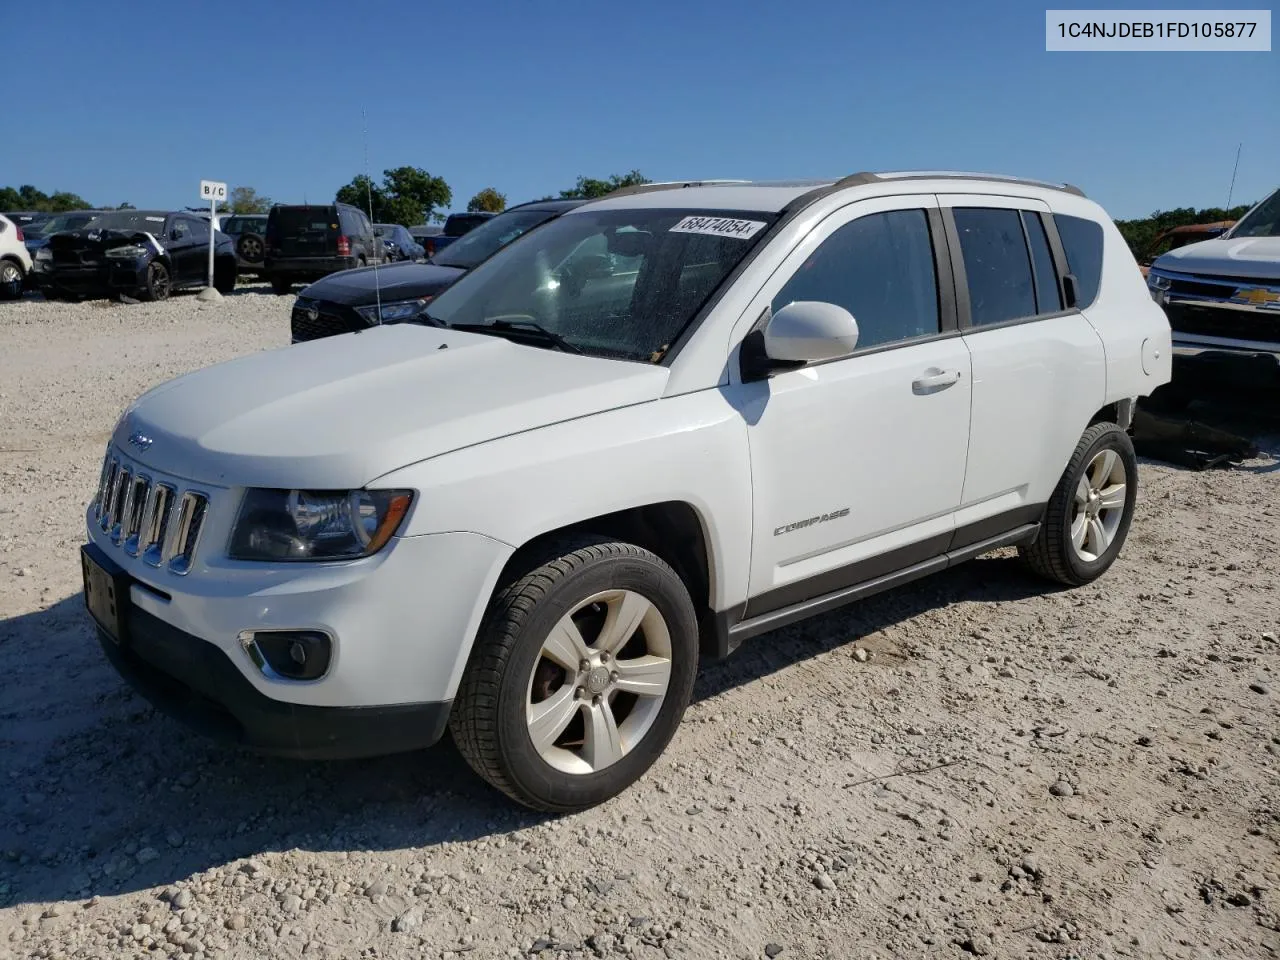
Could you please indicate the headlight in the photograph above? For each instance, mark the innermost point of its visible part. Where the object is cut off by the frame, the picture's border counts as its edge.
(130, 252)
(44, 253)
(1159, 286)
(317, 524)
(391, 312)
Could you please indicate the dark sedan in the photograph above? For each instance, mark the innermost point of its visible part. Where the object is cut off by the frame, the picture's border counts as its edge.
(398, 293)
(136, 253)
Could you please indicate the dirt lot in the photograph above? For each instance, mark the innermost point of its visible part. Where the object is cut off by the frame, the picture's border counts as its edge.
(977, 764)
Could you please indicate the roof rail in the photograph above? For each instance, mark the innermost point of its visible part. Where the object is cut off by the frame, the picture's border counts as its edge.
(666, 185)
(860, 179)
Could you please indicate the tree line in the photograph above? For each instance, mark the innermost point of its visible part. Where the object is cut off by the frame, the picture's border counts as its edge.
(1139, 234)
(411, 195)
(407, 195)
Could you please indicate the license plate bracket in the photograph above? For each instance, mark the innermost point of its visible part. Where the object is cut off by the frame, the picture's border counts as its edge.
(106, 592)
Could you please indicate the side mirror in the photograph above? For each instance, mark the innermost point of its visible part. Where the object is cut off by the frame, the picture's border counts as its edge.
(804, 331)
(807, 330)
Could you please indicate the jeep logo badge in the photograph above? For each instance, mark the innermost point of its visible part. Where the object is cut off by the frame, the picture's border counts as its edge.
(139, 441)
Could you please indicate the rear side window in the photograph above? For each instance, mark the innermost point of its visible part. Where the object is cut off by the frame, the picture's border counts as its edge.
(1082, 243)
(1048, 297)
(997, 265)
(880, 268)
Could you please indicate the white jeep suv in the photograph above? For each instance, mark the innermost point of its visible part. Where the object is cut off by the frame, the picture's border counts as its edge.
(664, 422)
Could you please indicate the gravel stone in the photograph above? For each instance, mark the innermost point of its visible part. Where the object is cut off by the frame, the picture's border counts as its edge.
(1062, 789)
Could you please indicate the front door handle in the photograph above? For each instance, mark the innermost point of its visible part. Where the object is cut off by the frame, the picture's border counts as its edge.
(933, 380)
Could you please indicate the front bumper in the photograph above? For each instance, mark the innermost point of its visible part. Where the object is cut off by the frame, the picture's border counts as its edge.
(124, 277)
(196, 683)
(1225, 365)
(401, 621)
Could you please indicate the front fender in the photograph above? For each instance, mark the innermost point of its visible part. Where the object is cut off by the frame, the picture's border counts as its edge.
(690, 449)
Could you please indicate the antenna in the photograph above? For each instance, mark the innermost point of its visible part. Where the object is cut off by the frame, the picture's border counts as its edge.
(368, 189)
(1233, 177)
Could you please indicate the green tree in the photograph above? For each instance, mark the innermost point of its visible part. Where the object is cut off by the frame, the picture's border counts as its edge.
(27, 197)
(588, 188)
(407, 195)
(247, 200)
(487, 200)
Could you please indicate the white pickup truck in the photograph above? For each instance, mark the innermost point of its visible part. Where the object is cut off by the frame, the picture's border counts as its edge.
(662, 423)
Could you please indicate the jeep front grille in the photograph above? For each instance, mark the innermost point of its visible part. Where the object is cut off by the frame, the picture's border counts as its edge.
(148, 517)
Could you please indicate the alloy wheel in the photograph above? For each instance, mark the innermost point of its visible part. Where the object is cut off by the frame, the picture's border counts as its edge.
(1099, 504)
(599, 682)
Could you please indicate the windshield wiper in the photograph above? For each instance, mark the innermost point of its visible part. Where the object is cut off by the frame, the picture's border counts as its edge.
(521, 328)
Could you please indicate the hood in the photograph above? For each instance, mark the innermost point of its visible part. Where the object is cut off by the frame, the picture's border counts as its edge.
(99, 239)
(337, 413)
(1249, 257)
(397, 281)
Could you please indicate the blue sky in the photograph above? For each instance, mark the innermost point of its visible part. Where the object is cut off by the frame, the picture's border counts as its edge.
(121, 105)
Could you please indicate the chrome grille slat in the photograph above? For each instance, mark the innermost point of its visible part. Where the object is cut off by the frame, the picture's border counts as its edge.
(119, 504)
(157, 524)
(139, 501)
(155, 520)
(190, 521)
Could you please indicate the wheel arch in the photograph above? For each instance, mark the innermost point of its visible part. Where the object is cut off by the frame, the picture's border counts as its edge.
(671, 529)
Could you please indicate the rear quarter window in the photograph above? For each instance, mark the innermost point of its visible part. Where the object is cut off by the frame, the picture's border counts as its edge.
(1082, 243)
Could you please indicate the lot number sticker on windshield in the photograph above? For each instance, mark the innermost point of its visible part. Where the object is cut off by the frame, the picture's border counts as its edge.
(719, 227)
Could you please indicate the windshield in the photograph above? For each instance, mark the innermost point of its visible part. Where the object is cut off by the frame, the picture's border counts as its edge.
(488, 238)
(63, 221)
(616, 283)
(137, 220)
(1264, 221)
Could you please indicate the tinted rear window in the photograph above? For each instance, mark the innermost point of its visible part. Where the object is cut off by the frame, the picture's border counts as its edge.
(460, 223)
(303, 219)
(1082, 242)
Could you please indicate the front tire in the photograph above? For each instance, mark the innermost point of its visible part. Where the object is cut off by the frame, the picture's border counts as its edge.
(12, 280)
(1089, 514)
(158, 283)
(580, 674)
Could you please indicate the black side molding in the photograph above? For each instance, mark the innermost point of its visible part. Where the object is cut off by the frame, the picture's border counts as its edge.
(733, 626)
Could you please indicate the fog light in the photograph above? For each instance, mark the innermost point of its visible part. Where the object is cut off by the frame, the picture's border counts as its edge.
(289, 654)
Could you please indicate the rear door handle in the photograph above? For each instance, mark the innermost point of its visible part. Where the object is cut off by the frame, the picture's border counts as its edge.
(933, 380)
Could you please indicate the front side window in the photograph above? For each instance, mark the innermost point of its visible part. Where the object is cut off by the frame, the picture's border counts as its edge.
(181, 230)
(614, 283)
(997, 265)
(880, 268)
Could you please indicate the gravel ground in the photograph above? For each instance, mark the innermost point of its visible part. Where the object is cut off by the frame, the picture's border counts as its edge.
(976, 764)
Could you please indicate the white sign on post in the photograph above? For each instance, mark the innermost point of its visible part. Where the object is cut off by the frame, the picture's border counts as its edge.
(213, 190)
(215, 193)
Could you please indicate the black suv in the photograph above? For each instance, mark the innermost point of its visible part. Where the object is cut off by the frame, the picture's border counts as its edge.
(307, 242)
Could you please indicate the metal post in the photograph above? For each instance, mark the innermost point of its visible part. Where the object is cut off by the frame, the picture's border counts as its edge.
(213, 208)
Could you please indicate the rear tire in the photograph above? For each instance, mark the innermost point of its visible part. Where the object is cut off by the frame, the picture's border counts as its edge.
(158, 282)
(579, 676)
(1088, 516)
(281, 285)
